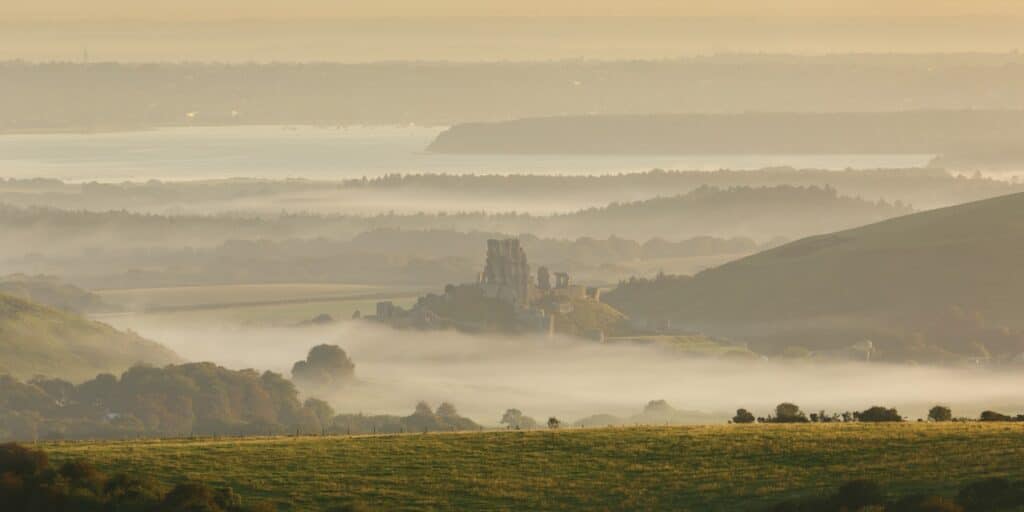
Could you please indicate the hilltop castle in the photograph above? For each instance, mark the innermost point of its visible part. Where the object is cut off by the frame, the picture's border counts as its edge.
(505, 297)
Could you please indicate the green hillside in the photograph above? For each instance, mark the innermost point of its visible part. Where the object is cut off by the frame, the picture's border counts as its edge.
(39, 340)
(940, 284)
(726, 467)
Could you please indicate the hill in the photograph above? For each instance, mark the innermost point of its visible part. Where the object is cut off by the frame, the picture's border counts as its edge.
(39, 340)
(50, 291)
(909, 132)
(937, 284)
(724, 467)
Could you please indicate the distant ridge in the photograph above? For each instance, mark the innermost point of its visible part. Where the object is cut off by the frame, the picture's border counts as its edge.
(910, 132)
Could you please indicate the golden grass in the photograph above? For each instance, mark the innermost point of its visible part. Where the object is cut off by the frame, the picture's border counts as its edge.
(646, 468)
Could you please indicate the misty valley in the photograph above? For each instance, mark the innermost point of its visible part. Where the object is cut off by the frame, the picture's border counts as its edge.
(739, 281)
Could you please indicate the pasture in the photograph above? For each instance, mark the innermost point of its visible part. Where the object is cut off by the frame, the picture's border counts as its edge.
(724, 467)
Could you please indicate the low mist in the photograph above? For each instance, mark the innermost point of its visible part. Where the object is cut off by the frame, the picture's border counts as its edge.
(569, 378)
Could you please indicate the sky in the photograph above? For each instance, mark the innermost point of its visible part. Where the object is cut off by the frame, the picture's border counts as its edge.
(53, 10)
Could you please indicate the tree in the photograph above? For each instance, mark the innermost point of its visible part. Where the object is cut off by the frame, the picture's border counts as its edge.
(554, 423)
(789, 413)
(447, 410)
(423, 409)
(940, 413)
(743, 416)
(994, 416)
(322, 410)
(878, 414)
(325, 365)
(514, 418)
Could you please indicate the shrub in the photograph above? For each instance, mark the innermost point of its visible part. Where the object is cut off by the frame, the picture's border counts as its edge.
(990, 494)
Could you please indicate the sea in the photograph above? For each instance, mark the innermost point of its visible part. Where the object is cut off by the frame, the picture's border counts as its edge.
(337, 153)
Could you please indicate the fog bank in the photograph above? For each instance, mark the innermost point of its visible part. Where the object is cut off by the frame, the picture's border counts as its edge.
(484, 375)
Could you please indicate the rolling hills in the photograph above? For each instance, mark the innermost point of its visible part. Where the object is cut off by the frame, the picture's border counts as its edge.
(39, 340)
(929, 285)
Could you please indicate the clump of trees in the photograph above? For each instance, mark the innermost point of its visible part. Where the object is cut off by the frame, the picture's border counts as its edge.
(878, 414)
(516, 420)
(326, 366)
(28, 483)
(177, 400)
(981, 496)
(787, 413)
(424, 418)
(743, 416)
(940, 413)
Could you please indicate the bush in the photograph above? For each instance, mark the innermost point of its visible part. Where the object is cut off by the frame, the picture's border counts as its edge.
(990, 495)
(859, 494)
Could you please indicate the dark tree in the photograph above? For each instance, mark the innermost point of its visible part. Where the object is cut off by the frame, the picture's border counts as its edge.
(994, 416)
(940, 413)
(325, 366)
(878, 414)
(554, 423)
(743, 416)
(789, 413)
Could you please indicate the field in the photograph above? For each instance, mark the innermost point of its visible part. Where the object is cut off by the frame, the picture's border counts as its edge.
(260, 304)
(722, 467)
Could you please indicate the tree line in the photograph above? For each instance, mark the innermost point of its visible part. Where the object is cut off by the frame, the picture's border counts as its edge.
(787, 412)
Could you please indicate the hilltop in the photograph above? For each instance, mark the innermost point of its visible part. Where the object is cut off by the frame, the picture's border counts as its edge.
(50, 291)
(39, 340)
(939, 284)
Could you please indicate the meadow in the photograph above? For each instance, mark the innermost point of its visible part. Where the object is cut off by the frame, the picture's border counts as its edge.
(724, 467)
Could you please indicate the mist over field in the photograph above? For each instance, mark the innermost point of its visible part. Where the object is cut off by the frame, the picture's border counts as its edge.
(571, 379)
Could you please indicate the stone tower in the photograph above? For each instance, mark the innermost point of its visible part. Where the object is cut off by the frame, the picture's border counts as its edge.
(507, 273)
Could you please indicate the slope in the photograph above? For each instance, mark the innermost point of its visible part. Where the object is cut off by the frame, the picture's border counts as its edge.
(38, 340)
(951, 274)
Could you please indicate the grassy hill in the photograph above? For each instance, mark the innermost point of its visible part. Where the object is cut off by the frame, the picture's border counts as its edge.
(36, 339)
(930, 285)
(52, 292)
(723, 467)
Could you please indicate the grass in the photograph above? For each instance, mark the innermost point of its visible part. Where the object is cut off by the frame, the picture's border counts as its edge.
(39, 340)
(644, 468)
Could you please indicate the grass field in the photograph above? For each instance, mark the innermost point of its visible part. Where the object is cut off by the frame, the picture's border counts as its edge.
(658, 468)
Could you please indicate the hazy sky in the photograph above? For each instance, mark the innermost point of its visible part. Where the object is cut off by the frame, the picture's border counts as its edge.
(229, 9)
